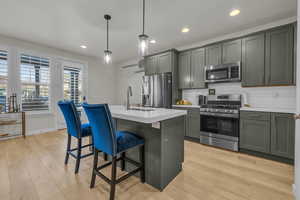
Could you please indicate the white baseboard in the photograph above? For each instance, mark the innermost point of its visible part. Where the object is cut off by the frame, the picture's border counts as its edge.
(41, 131)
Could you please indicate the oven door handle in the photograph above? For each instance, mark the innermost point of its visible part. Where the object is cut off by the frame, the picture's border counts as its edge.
(235, 116)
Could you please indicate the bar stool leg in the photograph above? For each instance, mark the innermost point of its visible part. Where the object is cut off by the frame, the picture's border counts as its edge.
(94, 168)
(142, 160)
(105, 156)
(78, 156)
(68, 149)
(123, 161)
(113, 178)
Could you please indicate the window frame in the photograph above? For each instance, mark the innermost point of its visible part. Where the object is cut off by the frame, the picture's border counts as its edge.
(83, 69)
(19, 93)
(9, 52)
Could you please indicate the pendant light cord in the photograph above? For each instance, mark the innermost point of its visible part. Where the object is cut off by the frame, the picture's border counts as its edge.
(143, 17)
(107, 34)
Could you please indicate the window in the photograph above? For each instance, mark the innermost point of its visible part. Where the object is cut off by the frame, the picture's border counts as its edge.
(3, 78)
(73, 84)
(35, 83)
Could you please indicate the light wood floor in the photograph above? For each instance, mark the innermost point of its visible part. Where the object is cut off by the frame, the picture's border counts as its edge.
(33, 169)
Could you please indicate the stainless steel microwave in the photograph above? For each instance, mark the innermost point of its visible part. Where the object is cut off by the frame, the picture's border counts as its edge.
(223, 73)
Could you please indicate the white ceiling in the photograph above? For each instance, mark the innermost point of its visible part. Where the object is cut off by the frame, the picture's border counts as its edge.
(67, 24)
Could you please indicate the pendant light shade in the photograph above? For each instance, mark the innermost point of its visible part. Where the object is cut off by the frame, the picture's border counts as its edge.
(107, 52)
(107, 56)
(143, 44)
(143, 38)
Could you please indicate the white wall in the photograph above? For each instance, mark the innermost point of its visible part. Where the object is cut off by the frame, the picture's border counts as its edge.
(101, 80)
(129, 77)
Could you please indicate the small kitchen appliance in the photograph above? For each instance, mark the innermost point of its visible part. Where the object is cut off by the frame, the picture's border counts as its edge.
(201, 100)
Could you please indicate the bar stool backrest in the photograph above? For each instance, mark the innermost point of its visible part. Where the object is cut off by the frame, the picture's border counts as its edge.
(71, 116)
(103, 129)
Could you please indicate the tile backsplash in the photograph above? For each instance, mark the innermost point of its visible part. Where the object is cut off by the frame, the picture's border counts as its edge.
(262, 97)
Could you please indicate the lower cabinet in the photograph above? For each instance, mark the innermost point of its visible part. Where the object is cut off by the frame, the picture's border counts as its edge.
(255, 135)
(269, 133)
(283, 135)
(192, 122)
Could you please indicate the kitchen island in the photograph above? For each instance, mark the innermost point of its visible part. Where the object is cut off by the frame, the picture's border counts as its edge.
(163, 131)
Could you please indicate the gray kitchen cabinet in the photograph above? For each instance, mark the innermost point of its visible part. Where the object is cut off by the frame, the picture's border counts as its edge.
(150, 65)
(282, 135)
(279, 56)
(253, 61)
(232, 51)
(194, 124)
(197, 68)
(213, 54)
(161, 62)
(164, 62)
(255, 131)
(184, 69)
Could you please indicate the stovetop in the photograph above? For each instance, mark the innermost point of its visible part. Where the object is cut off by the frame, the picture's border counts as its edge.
(224, 104)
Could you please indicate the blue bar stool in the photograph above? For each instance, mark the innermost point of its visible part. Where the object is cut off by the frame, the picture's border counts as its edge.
(75, 129)
(114, 143)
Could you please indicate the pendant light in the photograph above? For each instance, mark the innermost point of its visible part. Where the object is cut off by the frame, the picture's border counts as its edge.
(143, 38)
(107, 52)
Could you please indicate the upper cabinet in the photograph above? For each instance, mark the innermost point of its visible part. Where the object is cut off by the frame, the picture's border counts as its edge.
(197, 68)
(253, 60)
(150, 65)
(213, 54)
(268, 58)
(232, 51)
(279, 56)
(191, 69)
(160, 63)
(164, 62)
(184, 69)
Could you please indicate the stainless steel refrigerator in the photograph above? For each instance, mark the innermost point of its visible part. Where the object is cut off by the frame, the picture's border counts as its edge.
(157, 90)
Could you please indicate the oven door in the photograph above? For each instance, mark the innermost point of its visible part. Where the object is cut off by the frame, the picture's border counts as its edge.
(220, 126)
(217, 74)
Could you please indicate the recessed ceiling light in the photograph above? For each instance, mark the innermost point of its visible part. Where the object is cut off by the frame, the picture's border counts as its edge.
(185, 30)
(234, 12)
(152, 41)
(83, 46)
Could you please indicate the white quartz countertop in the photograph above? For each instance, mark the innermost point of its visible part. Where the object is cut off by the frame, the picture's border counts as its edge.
(156, 115)
(277, 110)
(186, 106)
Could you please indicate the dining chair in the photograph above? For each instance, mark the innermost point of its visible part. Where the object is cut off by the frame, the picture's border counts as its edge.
(114, 143)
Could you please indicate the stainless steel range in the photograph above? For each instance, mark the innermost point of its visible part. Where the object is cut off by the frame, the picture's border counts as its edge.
(220, 121)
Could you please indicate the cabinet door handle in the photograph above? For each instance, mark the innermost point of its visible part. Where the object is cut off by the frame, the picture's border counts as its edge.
(296, 117)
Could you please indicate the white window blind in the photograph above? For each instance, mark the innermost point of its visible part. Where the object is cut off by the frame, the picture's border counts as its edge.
(3, 78)
(35, 83)
(73, 84)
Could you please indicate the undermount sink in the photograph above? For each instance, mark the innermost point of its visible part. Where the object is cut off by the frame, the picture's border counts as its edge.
(142, 109)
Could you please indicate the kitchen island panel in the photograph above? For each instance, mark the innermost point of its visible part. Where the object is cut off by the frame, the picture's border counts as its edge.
(164, 149)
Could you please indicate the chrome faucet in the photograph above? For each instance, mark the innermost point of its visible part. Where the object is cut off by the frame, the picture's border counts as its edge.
(129, 94)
